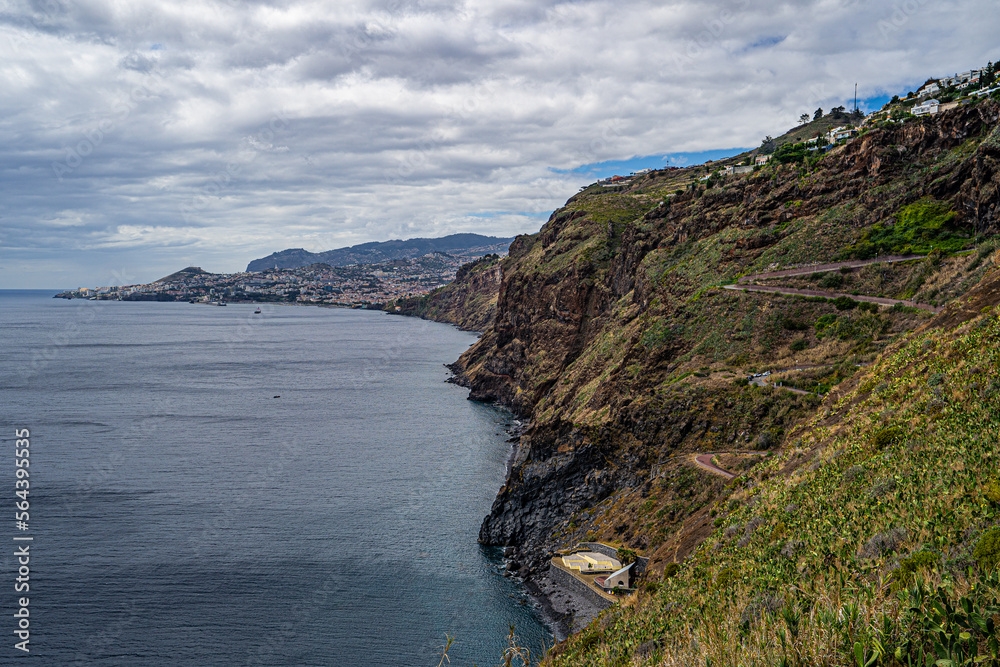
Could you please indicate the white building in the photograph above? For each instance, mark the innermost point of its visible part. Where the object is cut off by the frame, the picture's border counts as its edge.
(839, 133)
(929, 88)
(761, 160)
(620, 579)
(927, 107)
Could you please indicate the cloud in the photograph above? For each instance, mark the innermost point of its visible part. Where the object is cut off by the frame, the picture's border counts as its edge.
(212, 132)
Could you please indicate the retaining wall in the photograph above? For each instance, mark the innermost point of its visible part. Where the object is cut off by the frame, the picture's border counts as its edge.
(579, 587)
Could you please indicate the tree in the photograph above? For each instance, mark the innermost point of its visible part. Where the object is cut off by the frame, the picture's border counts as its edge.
(803, 119)
(838, 112)
(857, 115)
(894, 100)
(766, 146)
(818, 114)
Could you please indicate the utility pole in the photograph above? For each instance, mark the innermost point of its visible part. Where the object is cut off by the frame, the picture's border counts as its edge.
(855, 97)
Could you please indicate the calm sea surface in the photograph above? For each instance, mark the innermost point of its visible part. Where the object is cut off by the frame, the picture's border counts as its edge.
(183, 514)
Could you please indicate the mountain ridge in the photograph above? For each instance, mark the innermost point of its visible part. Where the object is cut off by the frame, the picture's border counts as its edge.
(374, 252)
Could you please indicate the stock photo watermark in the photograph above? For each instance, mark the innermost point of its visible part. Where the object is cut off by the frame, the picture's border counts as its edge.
(22, 538)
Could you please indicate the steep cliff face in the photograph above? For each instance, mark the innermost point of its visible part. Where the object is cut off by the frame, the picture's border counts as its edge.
(612, 338)
(469, 302)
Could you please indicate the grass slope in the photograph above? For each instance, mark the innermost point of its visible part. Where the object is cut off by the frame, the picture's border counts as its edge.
(871, 541)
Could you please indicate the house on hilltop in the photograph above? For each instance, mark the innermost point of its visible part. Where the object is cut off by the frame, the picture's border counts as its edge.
(927, 107)
(929, 88)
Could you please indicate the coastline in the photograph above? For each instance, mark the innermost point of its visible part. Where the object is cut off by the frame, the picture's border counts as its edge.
(562, 610)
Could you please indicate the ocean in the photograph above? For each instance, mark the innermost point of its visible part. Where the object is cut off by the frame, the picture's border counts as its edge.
(214, 487)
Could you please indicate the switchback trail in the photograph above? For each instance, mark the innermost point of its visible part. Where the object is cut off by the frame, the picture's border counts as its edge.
(705, 461)
(832, 295)
(822, 268)
(745, 282)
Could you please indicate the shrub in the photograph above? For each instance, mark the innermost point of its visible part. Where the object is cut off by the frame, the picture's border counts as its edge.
(883, 543)
(799, 344)
(671, 570)
(992, 492)
(626, 556)
(831, 280)
(793, 324)
(886, 436)
(922, 226)
(882, 487)
(779, 531)
(845, 303)
(725, 577)
(652, 587)
(824, 321)
(987, 551)
(922, 560)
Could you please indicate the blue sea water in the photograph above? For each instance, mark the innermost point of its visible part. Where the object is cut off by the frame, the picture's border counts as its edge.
(184, 514)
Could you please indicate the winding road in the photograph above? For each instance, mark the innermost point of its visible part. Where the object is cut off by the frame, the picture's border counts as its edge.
(744, 283)
(704, 461)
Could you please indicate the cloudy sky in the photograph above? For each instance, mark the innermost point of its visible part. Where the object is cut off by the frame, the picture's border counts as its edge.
(140, 137)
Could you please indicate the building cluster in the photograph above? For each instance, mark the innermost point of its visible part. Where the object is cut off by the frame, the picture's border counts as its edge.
(321, 284)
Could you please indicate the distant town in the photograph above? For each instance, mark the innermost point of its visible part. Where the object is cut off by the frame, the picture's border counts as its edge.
(357, 286)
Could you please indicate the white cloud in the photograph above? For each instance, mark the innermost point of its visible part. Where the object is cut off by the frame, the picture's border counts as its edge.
(213, 132)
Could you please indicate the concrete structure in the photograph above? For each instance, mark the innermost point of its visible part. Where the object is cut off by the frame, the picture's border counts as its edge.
(929, 88)
(761, 160)
(620, 579)
(641, 562)
(927, 107)
(732, 170)
(565, 578)
(591, 562)
(840, 133)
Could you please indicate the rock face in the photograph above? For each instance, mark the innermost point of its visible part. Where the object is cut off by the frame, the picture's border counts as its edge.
(610, 338)
(469, 302)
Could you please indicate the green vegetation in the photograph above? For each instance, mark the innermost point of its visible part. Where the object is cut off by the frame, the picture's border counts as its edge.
(987, 553)
(814, 589)
(921, 227)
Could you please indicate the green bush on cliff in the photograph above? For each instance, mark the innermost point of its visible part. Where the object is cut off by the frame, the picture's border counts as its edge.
(987, 552)
(919, 228)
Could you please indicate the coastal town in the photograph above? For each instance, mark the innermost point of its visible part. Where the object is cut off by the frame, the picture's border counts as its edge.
(357, 286)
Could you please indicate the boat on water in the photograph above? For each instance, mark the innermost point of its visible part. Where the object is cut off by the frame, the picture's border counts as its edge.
(257, 312)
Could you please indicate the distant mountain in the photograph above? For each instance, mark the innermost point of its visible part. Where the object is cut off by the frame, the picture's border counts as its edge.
(372, 253)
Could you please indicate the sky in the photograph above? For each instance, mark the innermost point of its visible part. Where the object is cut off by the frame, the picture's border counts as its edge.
(140, 137)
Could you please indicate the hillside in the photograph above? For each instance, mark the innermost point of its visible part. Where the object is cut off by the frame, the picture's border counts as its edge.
(468, 302)
(184, 275)
(615, 339)
(473, 245)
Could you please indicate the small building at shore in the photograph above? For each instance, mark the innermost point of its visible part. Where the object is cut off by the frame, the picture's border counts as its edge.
(589, 562)
(622, 579)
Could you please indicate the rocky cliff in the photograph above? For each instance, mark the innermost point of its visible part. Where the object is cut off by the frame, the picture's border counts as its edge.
(614, 339)
(469, 302)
